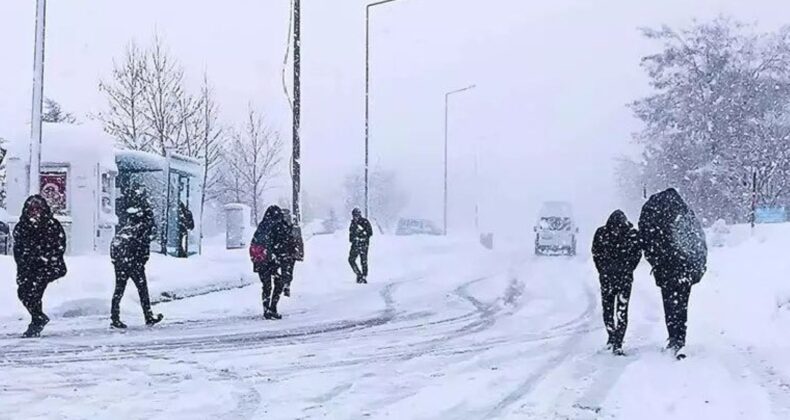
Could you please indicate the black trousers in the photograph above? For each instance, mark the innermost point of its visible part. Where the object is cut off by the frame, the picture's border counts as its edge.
(359, 250)
(615, 295)
(31, 292)
(273, 284)
(676, 302)
(287, 272)
(122, 275)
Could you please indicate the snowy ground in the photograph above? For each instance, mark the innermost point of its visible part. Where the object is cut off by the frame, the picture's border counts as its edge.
(445, 330)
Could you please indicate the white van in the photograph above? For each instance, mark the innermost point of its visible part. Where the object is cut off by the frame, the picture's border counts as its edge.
(556, 229)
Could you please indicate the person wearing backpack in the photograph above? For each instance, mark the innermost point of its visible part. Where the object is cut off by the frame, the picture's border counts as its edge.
(616, 253)
(674, 244)
(39, 246)
(129, 252)
(268, 252)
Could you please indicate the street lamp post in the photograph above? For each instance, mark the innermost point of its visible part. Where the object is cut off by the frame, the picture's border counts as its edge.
(296, 166)
(38, 98)
(446, 123)
(367, 99)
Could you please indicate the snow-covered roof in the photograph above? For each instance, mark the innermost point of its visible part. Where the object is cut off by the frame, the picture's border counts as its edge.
(236, 206)
(68, 143)
(137, 161)
(134, 160)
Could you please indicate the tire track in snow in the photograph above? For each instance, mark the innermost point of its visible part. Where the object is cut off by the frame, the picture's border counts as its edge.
(565, 350)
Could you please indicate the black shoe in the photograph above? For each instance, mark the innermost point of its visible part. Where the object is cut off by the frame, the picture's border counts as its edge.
(617, 350)
(33, 331)
(287, 292)
(117, 324)
(272, 314)
(154, 319)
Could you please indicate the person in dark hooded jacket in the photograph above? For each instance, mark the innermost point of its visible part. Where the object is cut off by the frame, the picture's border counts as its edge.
(268, 251)
(39, 245)
(129, 252)
(186, 222)
(359, 233)
(294, 250)
(616, 253)
(674, 244)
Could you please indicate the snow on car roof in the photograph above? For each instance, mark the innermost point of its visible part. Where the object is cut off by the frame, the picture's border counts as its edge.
(556, 208)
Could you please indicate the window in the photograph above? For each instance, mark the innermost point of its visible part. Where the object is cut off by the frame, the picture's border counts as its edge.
(106, 193)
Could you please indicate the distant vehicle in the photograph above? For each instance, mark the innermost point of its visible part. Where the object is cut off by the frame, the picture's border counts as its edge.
(408, 227)
(556, 229)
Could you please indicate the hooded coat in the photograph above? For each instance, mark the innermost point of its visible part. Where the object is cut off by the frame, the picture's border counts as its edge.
(39, 245)
(616, 249)
(672, 239)
(270, 241)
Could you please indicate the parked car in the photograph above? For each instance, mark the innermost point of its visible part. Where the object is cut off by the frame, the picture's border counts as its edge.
(556, 231)
(407, 227)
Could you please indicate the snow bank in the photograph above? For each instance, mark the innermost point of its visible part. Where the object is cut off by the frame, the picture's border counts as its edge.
(89, 285)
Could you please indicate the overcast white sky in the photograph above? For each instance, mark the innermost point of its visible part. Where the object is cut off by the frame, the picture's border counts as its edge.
(548, 114)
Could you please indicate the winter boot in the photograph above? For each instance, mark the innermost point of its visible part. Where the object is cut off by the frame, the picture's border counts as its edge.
(154, 319)
(287, 291)
(33, 331)
(117, 324)
(617, 349)
(271, 313)
(265, 308)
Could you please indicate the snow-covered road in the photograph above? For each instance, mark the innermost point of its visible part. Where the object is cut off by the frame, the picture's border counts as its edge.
(448, 332)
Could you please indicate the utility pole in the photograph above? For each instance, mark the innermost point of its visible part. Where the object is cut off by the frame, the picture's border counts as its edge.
(38, 98)
(367, 100)
(754, 200)
(446, 126)
(296, 168)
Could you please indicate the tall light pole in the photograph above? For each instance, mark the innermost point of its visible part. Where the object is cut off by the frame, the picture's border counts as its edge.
(38, 98)
(446, 120)
(367, 99)
(296, 167)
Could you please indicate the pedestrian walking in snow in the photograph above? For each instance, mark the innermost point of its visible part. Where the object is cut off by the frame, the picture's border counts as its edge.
(39, 245)
(359, 234)
(616, 253)
(294, 251)
(268, 251)
(185, 223)
(129, 252)
(674, 244)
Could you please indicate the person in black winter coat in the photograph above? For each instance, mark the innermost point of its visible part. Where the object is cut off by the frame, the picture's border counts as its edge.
(294, 251)
(129, 252)
(359, 234)
(39, 245)
(186, 222)
(268, 251)
(616, 253)
(674, 244)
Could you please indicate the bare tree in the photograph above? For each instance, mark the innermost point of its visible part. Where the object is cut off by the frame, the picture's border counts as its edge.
(387, 199)
(164, 96)
(126, 99)
(53, 113)
(212, 137)
(253, 158)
